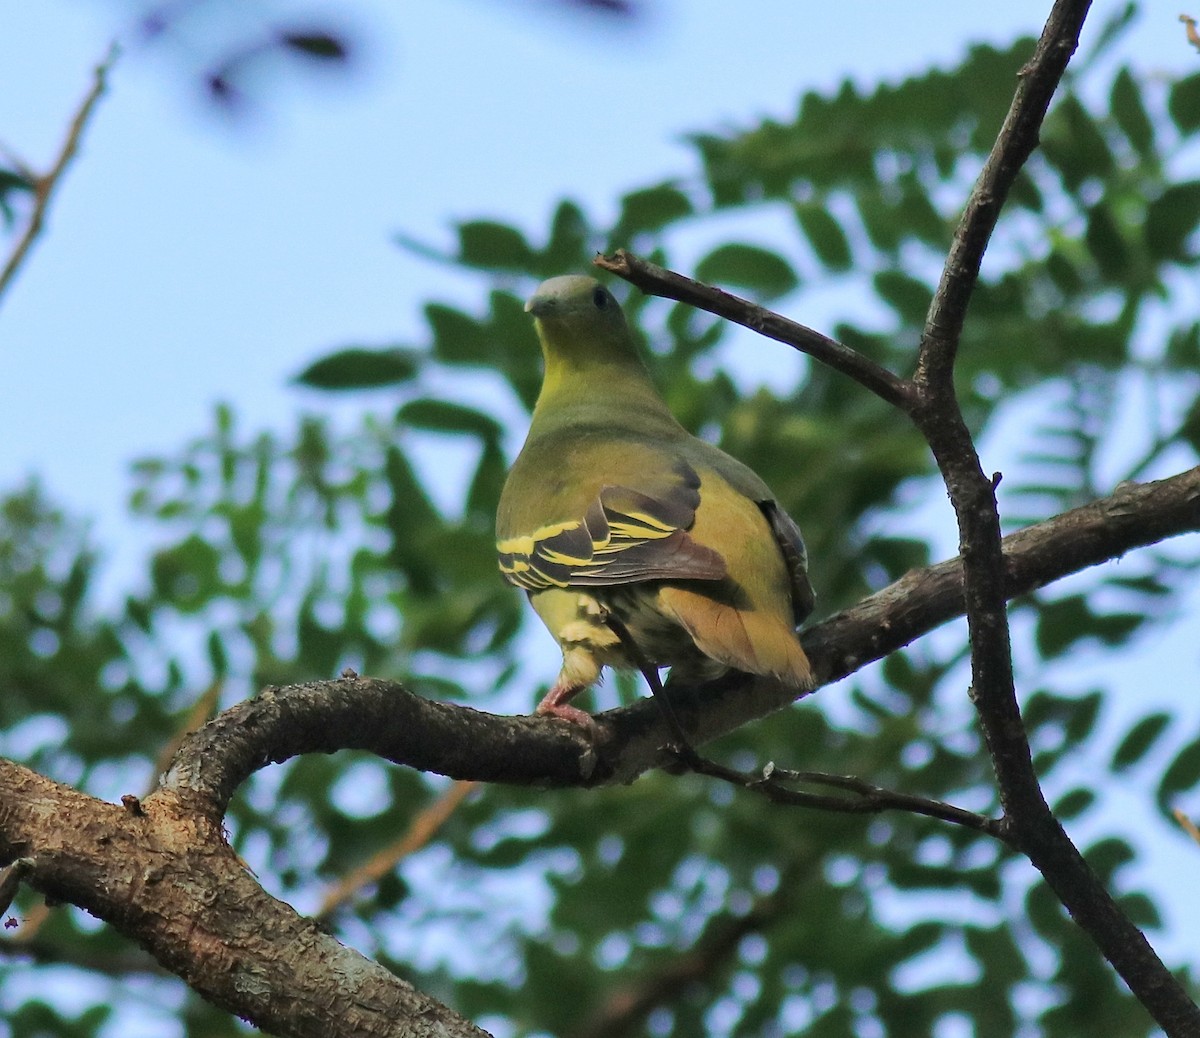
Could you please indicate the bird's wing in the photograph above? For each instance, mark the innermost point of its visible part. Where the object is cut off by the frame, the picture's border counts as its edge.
(625, 535)
(795, 557)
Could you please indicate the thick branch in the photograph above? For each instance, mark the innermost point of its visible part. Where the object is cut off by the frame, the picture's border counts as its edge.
(166, 877)
(384, 718)
(658, 281)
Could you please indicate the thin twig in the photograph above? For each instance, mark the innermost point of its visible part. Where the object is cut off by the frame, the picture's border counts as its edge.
(658, 281)
(867, 798)
(1186, 824)
(624, 1011)
(44, 184)
(1018, 136)
(420, 831)
(1193, 37)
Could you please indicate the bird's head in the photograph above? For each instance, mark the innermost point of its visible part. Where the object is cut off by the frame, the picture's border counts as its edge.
(578, 317)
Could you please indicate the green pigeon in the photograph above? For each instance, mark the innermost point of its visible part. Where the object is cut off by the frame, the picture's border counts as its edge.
(614, 512)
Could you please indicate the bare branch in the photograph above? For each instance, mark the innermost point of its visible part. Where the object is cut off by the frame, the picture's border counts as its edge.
(866, 799)
(1018, 136)
(658, 281)
(44, 185)
(1032, 827)
(1186, 824)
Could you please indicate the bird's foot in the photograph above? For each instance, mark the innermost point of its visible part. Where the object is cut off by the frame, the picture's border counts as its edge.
(555, 705)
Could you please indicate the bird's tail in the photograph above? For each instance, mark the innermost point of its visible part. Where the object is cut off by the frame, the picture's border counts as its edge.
(747, 640)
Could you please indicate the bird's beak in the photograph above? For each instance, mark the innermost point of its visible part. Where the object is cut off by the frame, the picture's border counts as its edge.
(539, 306)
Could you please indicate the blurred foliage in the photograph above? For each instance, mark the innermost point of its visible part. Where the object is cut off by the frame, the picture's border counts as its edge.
(237, 53)
(281, 558)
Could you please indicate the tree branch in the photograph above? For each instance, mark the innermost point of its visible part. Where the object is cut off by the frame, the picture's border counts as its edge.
(1018, 136)
(44, 185)
(867, 799)
(658, 281)
(382, 717)
(1031, 825)
(166, 877)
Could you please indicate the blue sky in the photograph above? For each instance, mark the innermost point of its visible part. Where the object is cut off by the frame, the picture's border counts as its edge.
(190, 260)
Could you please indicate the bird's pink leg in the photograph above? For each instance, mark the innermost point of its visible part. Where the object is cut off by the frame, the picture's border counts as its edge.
(580, 670)
(555, 704)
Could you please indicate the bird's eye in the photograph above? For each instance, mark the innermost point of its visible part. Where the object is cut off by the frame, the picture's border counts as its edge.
(600, 298)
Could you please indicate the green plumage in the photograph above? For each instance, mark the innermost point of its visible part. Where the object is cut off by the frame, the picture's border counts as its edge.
(612, 507)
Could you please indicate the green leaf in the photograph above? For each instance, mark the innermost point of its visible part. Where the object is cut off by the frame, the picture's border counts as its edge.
(12, 183)
(1084, 712)
(1189, 428)
(1106, 244)
(457, 338)
(649, 210)
(1074, 144)
(1109, 855)
(1142, 911)
(764, 272)
(323, 46)
(321, 646)
(1183, 348)
(904, 294)
(1062, 623)
(186, 575)
(218, 658)
(997, 953)
(1138, 740)
(1111, 30)
(1125, 102)
(1171, 219)
(360, 368)
(567, 248)
(411, 518)
(1074, 803)
(1184, 103)
(1181, 775)
(444, 416)
(10, 180)
(825, 235)
(494, 246)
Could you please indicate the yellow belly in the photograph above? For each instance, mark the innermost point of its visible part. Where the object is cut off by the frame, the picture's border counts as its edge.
(577, 620)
